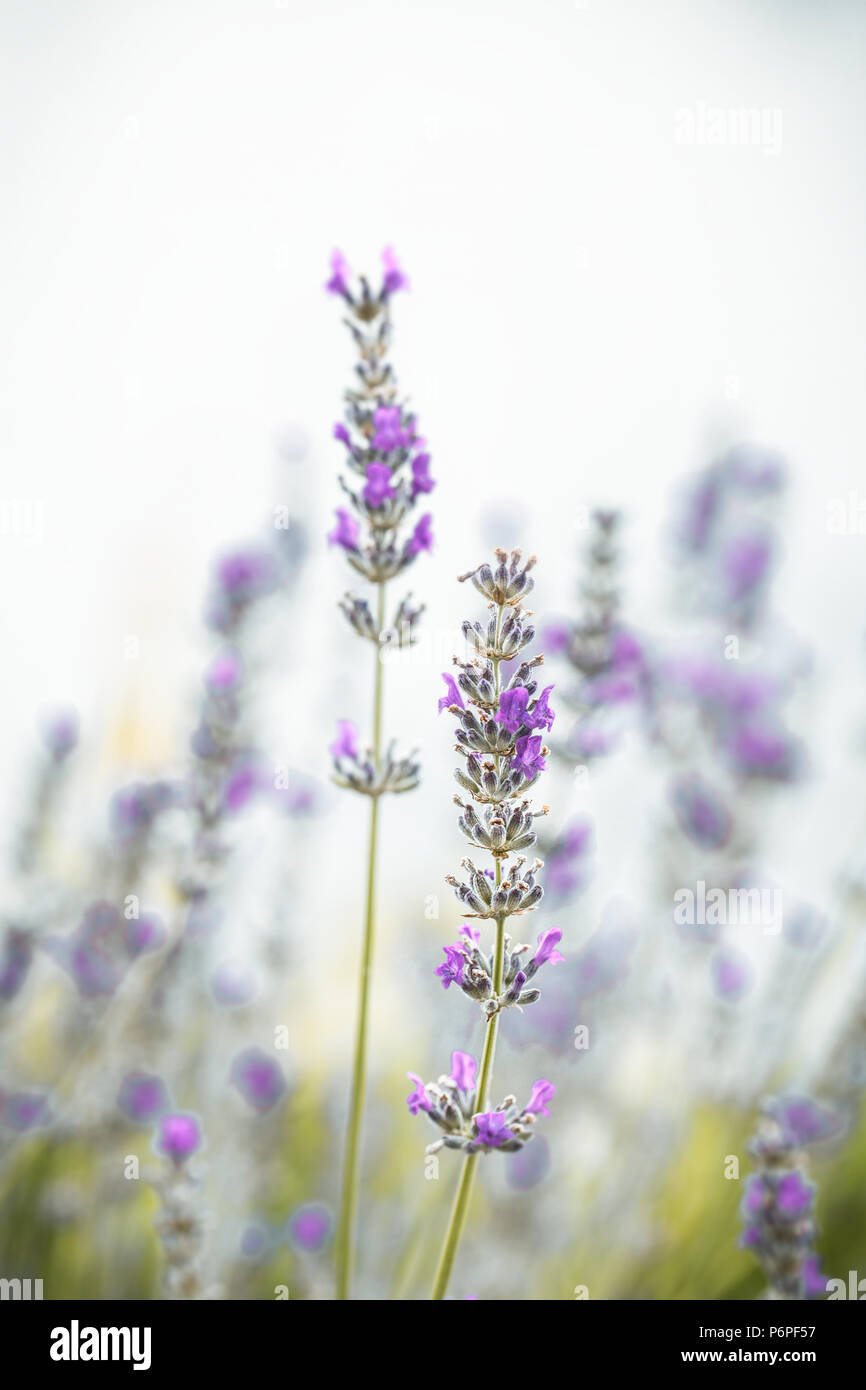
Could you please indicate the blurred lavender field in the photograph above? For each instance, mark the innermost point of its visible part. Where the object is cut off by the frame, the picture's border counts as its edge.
(632, 334)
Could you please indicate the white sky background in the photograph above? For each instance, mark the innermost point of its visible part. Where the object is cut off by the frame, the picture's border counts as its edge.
(585, 289)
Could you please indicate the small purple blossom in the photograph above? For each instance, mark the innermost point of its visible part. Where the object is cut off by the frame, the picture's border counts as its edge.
(512, 708)
(234, 983)
(394, 277)
(542, 1092)
(419, 1099)
(24, 1110)
(546, 949)
(60, 733)
(142, 1097)
(346, 531)
(225, 671)
(309, 1227)
(451, 970)
(453, 696)
(144, 934)
(492, 1130)
(542, 716)
(421, 480)
(345, 744)
(794, 1195)
(341, 433)
(178, 1136)
(339, 278)
(422, 536)
(258, 1078)
(463, 1071)
(378, 487)
(389, 432)
(528, 758)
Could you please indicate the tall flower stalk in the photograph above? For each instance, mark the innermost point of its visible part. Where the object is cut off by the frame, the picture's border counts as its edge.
(504, 756)
(389, 470)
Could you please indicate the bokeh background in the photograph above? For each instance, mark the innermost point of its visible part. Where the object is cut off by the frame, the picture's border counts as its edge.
(605, 299)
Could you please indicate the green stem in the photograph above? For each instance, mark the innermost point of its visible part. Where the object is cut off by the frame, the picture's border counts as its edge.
(349, 1196)
(463, 1195)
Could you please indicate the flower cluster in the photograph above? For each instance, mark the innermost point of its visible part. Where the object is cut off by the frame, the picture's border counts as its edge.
(500, 736)
(779, 1200)
(449, 1104)
(384, 451)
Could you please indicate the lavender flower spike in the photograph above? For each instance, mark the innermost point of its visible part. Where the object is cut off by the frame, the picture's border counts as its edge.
(387, 470)
(502, 760)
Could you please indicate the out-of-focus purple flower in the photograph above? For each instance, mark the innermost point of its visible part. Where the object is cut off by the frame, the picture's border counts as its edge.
(24, 1110)
(338, 283)
(225, 671)
(247, 574)
(143, 934)
(310, 1226)
(604, 960)
(178, 1136)
(133, 809)
(90, 953)
(754, 468)
(566, 869)
(758, 750)
(546, 950)
(745, 561)
(732, 974)
(556, 637)
(346, 531)
(419, 1099)
(243, 781)
(528, 756)
(451, 970)
(341, 433)
(15, 960)
(394, 277)
(389, 431)
(802, 1120)
(542, 1092)
(512, 708)
(345, 744)
(377, 488)
(700, 813)
(814, 1281)
(422, 536)
(699, 510)
(463, 1070)
(255, 1240)
(421, 480)
(60, 733)
(794, 1195)
(142, 1097)
(526, 1168)
(234, 983)
(492, 1130)
(258, 1078)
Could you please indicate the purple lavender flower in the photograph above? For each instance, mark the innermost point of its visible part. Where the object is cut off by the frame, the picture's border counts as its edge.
(452, 696)
(814, 1281)
(421, 480)
(24, 1110)
(339, 279)
(422, 536)
(566, 866)
(492, 1130)
(347, 530)
(60, 733)
(542, 1092)
(144, 934)
(542, 715)
(243, 781)
(310, 1227)
(346, 743)
(378, 486)
(389, 431)
(556, 637)
(701, 814)
(528, 759)
(546, 949)
(452, 968)
(511, 713)
(463, 1071)
(395, 279)
(793, 1195)
(225, 671)
(341, 433)
(419, 1099)
(732, 974)
(234, 983)
(142, 1097)
(258, 1078)
(178, 1137)
(745, 563)
(803, 1121)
